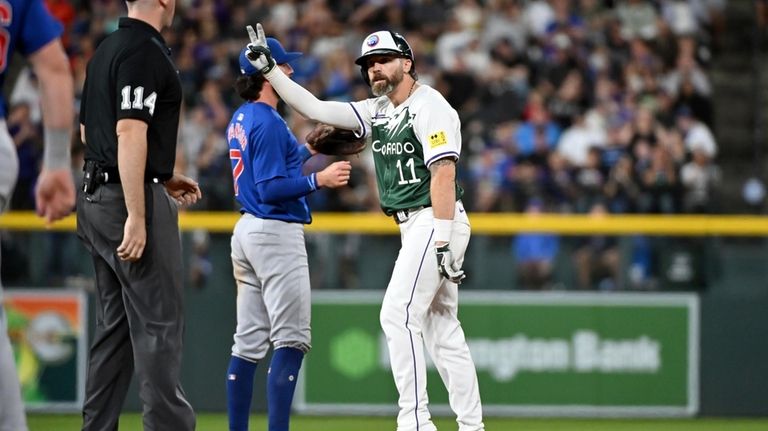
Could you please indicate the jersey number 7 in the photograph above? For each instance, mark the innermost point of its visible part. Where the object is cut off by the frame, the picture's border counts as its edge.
(236, 157)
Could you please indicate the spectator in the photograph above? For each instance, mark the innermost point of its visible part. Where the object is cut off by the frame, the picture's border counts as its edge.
(560, 189)
(621, 190)
(504, 21)
(638, 19)
(697, 134)
(660, 184)
(538, 134)
(590, 181)
(597, 258)
(700, 177)
(535, 254)
(576, 141)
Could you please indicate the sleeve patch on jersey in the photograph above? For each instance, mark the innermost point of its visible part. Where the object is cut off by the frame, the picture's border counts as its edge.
(437, 139)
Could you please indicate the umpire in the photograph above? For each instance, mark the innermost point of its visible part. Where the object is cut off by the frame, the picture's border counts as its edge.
(127, 217)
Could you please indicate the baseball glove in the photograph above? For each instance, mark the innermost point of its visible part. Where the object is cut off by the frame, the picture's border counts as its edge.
(329, 140)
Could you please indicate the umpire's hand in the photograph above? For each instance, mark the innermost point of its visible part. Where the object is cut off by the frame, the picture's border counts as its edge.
(184, 190)
(134, 239)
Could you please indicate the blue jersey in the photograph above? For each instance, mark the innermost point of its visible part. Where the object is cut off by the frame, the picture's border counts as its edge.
(25, 26)
(262, 148)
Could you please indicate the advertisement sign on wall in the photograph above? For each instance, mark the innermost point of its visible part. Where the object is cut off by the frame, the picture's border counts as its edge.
(48, 335)
(535, 353)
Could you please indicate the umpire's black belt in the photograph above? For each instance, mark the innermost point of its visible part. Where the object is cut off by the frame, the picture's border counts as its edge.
(402, 216)
(111, 175)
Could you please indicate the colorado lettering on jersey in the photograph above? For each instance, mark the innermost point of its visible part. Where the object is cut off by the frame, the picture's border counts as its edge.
(392, 148)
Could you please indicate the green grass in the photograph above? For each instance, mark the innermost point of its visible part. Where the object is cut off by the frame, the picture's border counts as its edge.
(218, 422)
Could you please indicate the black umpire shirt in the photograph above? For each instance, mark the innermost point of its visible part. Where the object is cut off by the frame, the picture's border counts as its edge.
(131, 75)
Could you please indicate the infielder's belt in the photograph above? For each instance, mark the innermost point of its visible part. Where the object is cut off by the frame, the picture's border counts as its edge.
(402, 216)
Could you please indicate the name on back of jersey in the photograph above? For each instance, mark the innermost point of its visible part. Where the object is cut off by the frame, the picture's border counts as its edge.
(237, 131)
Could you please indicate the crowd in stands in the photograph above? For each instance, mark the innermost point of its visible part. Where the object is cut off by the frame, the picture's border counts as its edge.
(572, 106)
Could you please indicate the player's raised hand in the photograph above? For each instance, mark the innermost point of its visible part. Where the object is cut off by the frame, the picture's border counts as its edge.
(184, 190)
(54, 194)
(258, 51)
(335, 175)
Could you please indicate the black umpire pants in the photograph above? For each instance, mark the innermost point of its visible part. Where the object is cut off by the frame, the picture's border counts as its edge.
(139, 322)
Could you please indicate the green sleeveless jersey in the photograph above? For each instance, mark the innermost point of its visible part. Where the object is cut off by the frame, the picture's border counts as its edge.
(405, 140)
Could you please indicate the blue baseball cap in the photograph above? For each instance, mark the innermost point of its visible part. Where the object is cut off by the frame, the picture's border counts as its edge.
(278, 53)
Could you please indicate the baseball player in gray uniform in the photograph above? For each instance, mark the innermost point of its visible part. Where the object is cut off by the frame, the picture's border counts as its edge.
(31, 30)
(416, 142)
(269, 257)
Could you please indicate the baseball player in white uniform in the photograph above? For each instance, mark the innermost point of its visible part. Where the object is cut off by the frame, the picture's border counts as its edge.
(416, 142)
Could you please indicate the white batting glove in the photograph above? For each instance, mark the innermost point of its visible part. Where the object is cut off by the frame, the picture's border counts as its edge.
(447, 266)
(258, 51)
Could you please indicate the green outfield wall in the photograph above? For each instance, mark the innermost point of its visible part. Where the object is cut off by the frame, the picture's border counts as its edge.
(541, 353)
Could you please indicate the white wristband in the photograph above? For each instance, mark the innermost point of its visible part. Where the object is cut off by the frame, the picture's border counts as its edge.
(443, 229)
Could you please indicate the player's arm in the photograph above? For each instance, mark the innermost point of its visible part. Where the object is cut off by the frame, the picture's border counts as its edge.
(438, 129)
(272, 182)
(283, 189)
(131, 162)
(338, 114)
(55, 192)
(442, 190)
(443, 195)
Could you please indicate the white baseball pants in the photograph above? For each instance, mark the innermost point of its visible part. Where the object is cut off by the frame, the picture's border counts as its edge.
(420, 309)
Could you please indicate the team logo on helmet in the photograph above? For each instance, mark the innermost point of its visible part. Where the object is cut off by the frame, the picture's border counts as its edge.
(373, 40)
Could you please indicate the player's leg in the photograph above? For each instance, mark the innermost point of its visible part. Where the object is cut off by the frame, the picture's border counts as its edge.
(409, 293)
(12, 416)
(9, 166)
(251, 339)
(445, 341)
(11, 408)
(153, 297)
(288, 301)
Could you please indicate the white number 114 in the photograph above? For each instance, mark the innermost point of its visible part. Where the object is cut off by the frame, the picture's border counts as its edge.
(139, 102)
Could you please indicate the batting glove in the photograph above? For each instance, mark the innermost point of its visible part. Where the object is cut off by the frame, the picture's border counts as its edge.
(258, 52)
(447, 266)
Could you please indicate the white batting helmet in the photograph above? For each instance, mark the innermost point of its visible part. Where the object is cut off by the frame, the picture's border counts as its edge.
(383, 42)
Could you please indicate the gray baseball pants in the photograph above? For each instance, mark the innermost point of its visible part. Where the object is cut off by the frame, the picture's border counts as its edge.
(269, 261)
(11, 408)
(139, 323)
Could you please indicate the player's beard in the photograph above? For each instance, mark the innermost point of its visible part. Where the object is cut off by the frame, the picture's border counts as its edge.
(383, 85)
